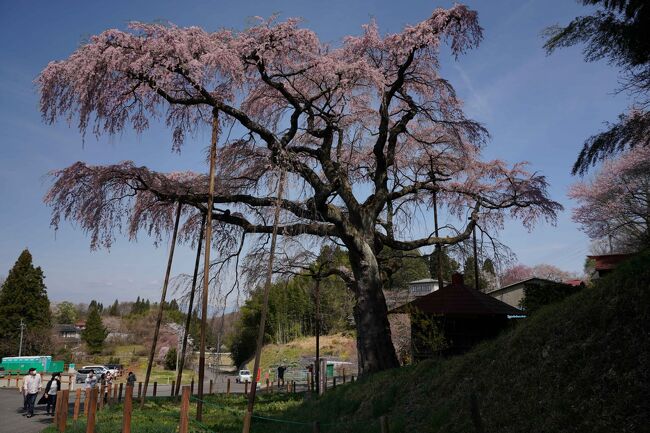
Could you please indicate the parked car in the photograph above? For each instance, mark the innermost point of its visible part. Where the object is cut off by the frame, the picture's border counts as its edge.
(98, 369)
(82, 373)
(114, 369)
(244, 376)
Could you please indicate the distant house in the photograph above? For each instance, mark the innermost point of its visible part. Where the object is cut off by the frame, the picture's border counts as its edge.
(513, 294)
(606, 263)
(67, 332)
(422, 287)
(80, 325)
(464, 316)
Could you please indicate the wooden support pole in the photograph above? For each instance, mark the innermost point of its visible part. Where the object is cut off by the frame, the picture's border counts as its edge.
(184, 424)
(206, 260)
(92, 411)
(190, 310)
(246, 388)
(119, 395)
(265, 303)
(63, 408)
(383, 423)
(139, 389)
(334, 382)
(128, 409)
(77, 404)
(155, 388)
(115, 393)
(210, 392)
(161, 306)
(192, 387)
(228, 387)
(267, 385)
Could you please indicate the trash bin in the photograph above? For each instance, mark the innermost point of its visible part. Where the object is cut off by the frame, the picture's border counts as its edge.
(330, 370)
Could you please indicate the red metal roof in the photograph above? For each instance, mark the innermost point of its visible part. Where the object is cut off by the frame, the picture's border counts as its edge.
(608, 262)
(458, 299)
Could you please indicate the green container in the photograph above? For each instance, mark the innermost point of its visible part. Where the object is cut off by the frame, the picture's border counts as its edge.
(22, 364)
(330, 370)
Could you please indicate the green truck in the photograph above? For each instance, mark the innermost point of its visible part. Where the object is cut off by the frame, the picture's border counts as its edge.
(22, 364)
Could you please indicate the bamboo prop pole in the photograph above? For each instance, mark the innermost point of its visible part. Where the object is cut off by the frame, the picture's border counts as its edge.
(267, 288)
(161, 306)
(190, 308)
(206, 262)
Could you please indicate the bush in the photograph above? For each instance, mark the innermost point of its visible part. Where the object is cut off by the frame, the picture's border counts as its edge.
(170, 359)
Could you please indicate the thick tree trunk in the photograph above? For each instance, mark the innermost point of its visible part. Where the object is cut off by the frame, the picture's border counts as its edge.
(374, 344)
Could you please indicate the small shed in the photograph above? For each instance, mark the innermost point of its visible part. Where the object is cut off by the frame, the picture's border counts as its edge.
(461, 315)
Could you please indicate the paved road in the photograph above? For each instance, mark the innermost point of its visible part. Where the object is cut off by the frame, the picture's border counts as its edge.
(11, 419)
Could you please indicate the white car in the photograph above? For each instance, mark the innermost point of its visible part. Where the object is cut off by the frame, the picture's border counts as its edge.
(98, 369)
(244, 376)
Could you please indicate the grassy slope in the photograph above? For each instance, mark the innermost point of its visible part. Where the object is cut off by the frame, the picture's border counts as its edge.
(579, 366)
(337, 345)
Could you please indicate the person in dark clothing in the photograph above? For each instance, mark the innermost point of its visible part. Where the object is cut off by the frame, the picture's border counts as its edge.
(281, 370)
(130, 379)
(53, 386)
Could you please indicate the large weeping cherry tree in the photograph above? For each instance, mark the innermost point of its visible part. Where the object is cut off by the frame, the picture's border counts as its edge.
(367, 131)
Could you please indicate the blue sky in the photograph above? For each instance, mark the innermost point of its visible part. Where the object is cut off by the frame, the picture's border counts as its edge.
(537, 108)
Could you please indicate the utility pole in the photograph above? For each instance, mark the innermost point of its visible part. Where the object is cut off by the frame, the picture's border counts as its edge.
(22, 327)
(317, 364)
(476, 275)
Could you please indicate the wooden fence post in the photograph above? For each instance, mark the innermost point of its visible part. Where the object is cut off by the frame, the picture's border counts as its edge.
(344, 375)
(334, 382)
(63, 408)
(119, 395)
(184, 423)
(155, 388)
(316, 427)
(383, 423)
(210, 392)
(228, 387)
(57, 407)
(173, 391)
(139, 389)
(102, 391)
(246, 388)
(267, 385)
(86, 401)
(77, 404)
(92, 411)
(192, 387)
(128, 409)
(115, 393)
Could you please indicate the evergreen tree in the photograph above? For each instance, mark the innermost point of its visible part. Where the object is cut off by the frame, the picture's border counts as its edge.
(449, 265)
(468, 271)
(115, 309)
(95, 333)
(24, 296)
(94, 305)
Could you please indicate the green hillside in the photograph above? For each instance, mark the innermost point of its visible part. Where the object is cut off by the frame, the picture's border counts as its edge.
(578, 366)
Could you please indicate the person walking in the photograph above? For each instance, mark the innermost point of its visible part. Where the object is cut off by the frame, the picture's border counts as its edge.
(52, 387)
(130, 379)
(31, 386)
(91, 380)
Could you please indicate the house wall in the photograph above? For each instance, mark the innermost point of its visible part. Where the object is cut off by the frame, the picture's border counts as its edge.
(512, 296)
